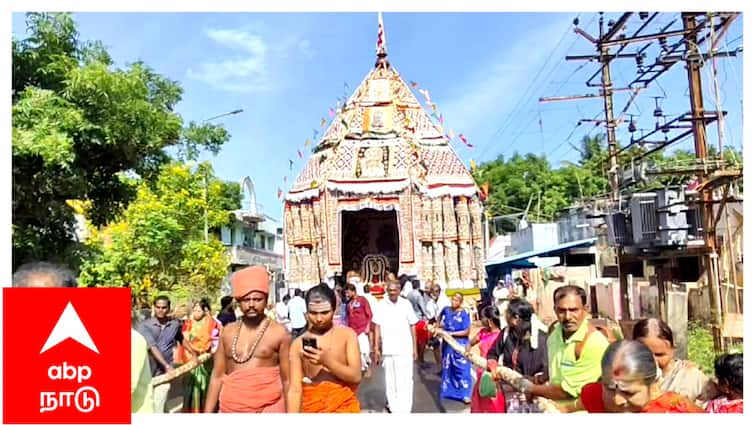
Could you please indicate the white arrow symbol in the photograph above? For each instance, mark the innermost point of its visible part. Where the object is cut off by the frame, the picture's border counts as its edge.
(69, 326)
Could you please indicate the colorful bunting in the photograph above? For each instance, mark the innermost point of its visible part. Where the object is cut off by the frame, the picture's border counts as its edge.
(426, 94)
(301, 155)
(315, 133)
(280, 193)
(434, 107)
(307, 143)
(414, 84)
(441, 119)
(380, 44)
(451, 133)
(473, 165)
(290, 164)
(464, 140)
(285, 179)
(323, 122)
(331, 112)
(485, 191)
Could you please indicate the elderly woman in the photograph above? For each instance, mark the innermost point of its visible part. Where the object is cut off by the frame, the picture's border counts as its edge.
(679, 376)
(629, 384)
(456, 371)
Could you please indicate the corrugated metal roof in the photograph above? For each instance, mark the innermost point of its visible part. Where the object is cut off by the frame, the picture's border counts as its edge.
(540, 252)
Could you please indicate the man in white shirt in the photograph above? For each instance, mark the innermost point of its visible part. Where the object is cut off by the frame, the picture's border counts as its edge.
(281, 312)
(370, 298)
(395, 342)
(436, 302)
(297, 309)
(501, 295)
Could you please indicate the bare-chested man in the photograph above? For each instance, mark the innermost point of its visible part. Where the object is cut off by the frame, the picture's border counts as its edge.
(325, 361)
(251, 370)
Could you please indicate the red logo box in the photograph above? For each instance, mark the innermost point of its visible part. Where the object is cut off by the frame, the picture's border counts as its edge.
(67, 355)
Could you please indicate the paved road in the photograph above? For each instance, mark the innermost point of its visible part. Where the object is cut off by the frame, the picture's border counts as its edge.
(426, 392)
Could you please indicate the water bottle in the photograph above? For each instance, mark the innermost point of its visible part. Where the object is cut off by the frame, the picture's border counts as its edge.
(513, 404)
(524, 405)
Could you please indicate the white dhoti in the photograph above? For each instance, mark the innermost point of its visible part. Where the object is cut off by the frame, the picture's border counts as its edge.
(502, 305)
(399, 382)
(160, 396)
(364, 350)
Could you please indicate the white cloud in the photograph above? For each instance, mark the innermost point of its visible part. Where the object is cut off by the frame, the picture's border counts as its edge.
(243, 40)
(249, 69)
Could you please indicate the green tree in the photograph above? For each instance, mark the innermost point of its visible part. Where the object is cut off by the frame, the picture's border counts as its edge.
(80, 124)
(159, 244)
(528, 180)
(519, 181)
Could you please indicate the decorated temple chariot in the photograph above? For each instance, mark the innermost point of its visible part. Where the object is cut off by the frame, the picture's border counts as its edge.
(384, 192)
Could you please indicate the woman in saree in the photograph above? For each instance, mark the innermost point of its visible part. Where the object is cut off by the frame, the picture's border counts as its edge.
(201, 333)
(491, 328)
(456, 371)
(679, 376)
(629, 384)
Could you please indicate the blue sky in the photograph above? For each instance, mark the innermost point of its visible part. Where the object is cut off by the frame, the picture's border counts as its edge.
(485, 71)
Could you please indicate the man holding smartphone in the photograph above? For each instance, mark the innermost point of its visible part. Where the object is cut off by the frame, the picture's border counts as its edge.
(395, 342)
(325, 363)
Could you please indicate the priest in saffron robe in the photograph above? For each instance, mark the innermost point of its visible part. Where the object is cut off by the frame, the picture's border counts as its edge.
(248, 375)
(326, 366)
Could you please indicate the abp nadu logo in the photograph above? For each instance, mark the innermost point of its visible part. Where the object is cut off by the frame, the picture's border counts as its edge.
(85, 398)
(72, 363)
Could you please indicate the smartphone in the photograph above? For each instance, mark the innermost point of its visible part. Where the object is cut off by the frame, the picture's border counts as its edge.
(310, 342)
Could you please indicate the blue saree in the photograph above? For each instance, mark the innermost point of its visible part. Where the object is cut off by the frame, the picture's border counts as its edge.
(456, 371)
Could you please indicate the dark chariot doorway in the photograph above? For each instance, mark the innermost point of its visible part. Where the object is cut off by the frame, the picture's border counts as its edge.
(365, 232)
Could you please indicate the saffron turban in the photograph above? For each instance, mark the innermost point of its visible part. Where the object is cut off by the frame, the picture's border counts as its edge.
(250, 279)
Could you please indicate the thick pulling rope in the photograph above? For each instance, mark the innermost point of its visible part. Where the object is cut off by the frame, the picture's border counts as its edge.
(182, 370)
(509, 375)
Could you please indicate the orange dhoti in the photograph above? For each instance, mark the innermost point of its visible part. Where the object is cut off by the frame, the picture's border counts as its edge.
(329, 397)
(253, 390)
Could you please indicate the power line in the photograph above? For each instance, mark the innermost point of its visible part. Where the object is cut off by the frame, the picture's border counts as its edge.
(566, 140)
(510, 118)
(548, 76)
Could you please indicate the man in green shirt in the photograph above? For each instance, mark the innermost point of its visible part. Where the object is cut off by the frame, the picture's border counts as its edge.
(575, 348)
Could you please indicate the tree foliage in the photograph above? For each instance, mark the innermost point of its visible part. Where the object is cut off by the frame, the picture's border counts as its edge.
(79, 125)
(523, 181)
(159, 244)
